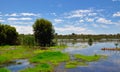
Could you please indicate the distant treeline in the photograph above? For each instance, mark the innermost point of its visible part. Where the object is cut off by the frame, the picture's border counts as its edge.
(88, 36)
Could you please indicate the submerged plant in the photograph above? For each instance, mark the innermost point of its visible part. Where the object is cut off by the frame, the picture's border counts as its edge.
(116, 44)
(4, 70)
(39, 68)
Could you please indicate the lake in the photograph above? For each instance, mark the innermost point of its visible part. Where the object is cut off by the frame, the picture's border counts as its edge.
(109, 64)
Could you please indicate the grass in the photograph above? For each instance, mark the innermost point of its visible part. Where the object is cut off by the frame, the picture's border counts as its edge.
(3, 59)
(87, 58)
(39, 68)
(9, 53)
(74, 64)
(4, 70)
(53, 57)
(45, 60)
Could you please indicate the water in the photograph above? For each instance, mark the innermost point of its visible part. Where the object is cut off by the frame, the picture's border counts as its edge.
(17, 65)
(111, 64)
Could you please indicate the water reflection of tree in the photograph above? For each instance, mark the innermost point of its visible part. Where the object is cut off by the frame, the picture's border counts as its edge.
(90, 41)
(74, 41)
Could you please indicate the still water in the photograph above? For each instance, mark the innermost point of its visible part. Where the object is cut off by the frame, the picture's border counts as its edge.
(110, 64)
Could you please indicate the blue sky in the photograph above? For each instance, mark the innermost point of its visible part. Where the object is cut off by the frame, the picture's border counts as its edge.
(80, 16)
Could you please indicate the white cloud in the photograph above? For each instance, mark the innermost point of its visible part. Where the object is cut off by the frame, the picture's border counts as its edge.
(29, 14)
(104, 21)
(2, 20)
(81, 21)
(24, 29)
(117, 14)
(89, 19)
(54, 14)
(80, 13)
(13, 19)
(72, 29)
(95, 25)
(104, 26)
(20, 23)
(13, 14)
(58, 20)
(22, 14)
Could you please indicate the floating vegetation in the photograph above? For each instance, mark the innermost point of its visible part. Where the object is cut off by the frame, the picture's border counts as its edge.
(87, 58)
(39, 68)
(74, 64)
(55, 57)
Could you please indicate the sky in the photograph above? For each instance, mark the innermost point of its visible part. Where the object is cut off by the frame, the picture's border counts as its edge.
(67, 16)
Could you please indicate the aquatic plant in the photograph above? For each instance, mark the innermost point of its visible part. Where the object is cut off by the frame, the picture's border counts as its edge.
(39, 68)
(4, 70)
(51, 56)
(74, 64)
(87, 58)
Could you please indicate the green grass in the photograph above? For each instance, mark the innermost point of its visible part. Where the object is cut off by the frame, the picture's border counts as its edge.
(87, 58)
(3, 59)
(53, 57)
(74, 64)
(8, 53)
(39, 68)
(4, 70)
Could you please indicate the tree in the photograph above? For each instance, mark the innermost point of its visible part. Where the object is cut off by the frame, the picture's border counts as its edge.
(8, 35)
(43, 32)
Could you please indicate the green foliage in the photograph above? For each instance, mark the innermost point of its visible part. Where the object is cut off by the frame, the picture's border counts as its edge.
(4, 70)
(9, 53)
(8, 35)
(88, 58)
(74, 64)
(27, 40)
(39, 68)
(51, 56)
(43, 32)
(3, 59)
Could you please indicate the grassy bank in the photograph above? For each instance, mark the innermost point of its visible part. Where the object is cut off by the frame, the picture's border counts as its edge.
(43, 60)
(54, 57)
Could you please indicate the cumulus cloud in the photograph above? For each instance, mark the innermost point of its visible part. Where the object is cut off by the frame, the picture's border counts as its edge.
(22, 14)
(13, 14)
(54, 14)
(95, 25)
(80, 13)
(24, 29)
(104, 26)
(72, 29)
(2, 20)
(104, 21)
(20, 23)
(29, 14)
(14, 19)
(117, 14)
(89, 19)
(58, 20)
(81, 21)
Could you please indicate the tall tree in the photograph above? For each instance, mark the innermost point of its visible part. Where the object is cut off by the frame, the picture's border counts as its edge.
(8, 35)
(43, 32)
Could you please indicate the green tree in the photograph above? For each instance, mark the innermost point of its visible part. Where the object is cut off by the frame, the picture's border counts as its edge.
(43, 32)
(8, 35)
